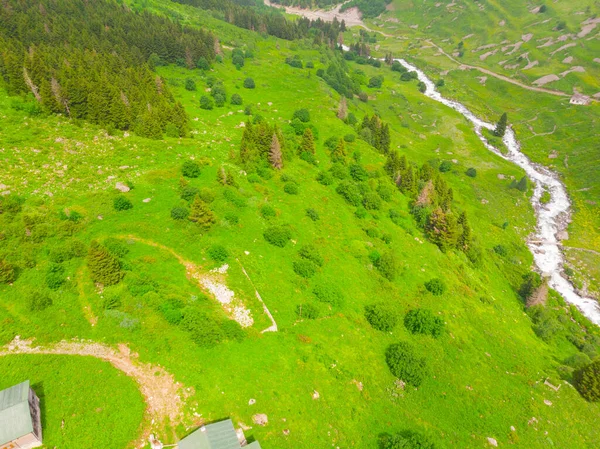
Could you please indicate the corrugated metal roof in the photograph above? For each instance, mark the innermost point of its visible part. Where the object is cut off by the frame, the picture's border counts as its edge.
(219, 435)
(15, 416)
(253, 445)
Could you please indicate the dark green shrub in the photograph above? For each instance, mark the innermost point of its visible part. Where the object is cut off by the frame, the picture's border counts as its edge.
(111, 301)
(381, 317)
(55, 276)
(277, 235)
(190, 169)
(404, 363)
(308, 157)
(405, 440)
(232, 218)
(38, 301)
(203, 64)
(376, 81)
(302, 114)
(305, 268)
(236, 99)
(587, 381)
(190, 84)
(310, 65)
(360, 212)
(206, 103)
(385, 191)
(325, 178)
(350, 192)
(312, 214)
(253, 178)
(350, 138)
(445, 166)
(329, 294)
(423, 321)
(188, 193)
(436, 286)
(202, 329)
(291, 188)
(339, 171)
(371, 201)
(121, 203)
(179, 213)
(218, 253)
(220, 100)
(358, 172)
(268, 211)
(310, 252)
(307, 310)
(471, 172)
(531, 282)
(387, 265)
(232, 196)
(249, 83)
(373, 233)
(265, 172)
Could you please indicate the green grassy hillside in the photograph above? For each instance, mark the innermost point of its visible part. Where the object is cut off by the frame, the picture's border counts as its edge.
(486, 370)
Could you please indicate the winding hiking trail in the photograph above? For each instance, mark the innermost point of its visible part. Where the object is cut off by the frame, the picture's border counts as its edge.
(164, 396)
(497, 75)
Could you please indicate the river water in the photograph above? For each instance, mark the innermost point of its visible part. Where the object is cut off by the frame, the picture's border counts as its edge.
(552, 218)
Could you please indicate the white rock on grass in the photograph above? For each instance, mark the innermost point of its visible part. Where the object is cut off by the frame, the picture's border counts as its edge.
(147, 200)
(260, 419)
(492, 441)
(252, 401)
(122, 187)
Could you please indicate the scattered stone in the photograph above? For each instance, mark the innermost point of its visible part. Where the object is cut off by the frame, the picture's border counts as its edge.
(100, 217)
(532, 421)
(512, 428)
(484, 201)
(252, 402)
(547, 402)
(286, 432)
(545, 80)
(568, 60)
(549, 384)
(562, 235)
(358, 384)
(501, 176)
(316, 395)
(146, 200)
(553, 155)
(492, 442)
(122, 187)
(260, 419)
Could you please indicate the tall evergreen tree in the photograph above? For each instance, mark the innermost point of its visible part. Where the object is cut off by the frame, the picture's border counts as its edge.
(308, 142)
(201, 214)
(339, 152)
(442, 229)
(104, 267)
(501, 126)
(464, 238)
(522, 184)
(275, 156)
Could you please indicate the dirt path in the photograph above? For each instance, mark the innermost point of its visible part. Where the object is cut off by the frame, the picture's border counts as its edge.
(582, 249)
(500, 77)
(86, 307)
(273, 327)
(164, 396)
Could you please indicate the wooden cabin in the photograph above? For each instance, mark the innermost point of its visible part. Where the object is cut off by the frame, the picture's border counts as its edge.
(20, 419)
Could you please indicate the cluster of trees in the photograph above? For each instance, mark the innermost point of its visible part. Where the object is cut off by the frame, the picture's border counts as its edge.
(377, 133)
(306, 4)
(262, 144)
(337, 77)
(245, 14)
(104, 72)
(432, 204)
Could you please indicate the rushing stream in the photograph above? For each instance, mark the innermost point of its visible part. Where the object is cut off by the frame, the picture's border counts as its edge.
(552, 218)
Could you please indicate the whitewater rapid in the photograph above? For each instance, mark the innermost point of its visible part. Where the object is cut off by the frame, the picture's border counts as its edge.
(552, 217)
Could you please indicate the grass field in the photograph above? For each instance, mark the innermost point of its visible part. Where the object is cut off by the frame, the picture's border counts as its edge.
(78, 396)
(487, 369)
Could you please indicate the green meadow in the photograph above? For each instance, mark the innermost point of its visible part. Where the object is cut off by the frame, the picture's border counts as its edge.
(322, 382)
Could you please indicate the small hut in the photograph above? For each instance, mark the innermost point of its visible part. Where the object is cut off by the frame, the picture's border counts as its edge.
(219, 435)
(20, 420)
(580, 100)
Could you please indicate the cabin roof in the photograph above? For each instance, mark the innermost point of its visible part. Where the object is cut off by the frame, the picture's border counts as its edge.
(15, 416)
(219, 435)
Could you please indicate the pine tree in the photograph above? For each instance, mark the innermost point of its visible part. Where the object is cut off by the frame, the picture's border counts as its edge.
(343, 109)
(339, 152)
(442, 229)
(104, 267)
(464, 239)
(201, 214)
(275, 156)
(393, 164)
(385, 139)
(501, 126)
(407, 181)
(522, 184)
(225, 177)
(308, 142)
(7, 272)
